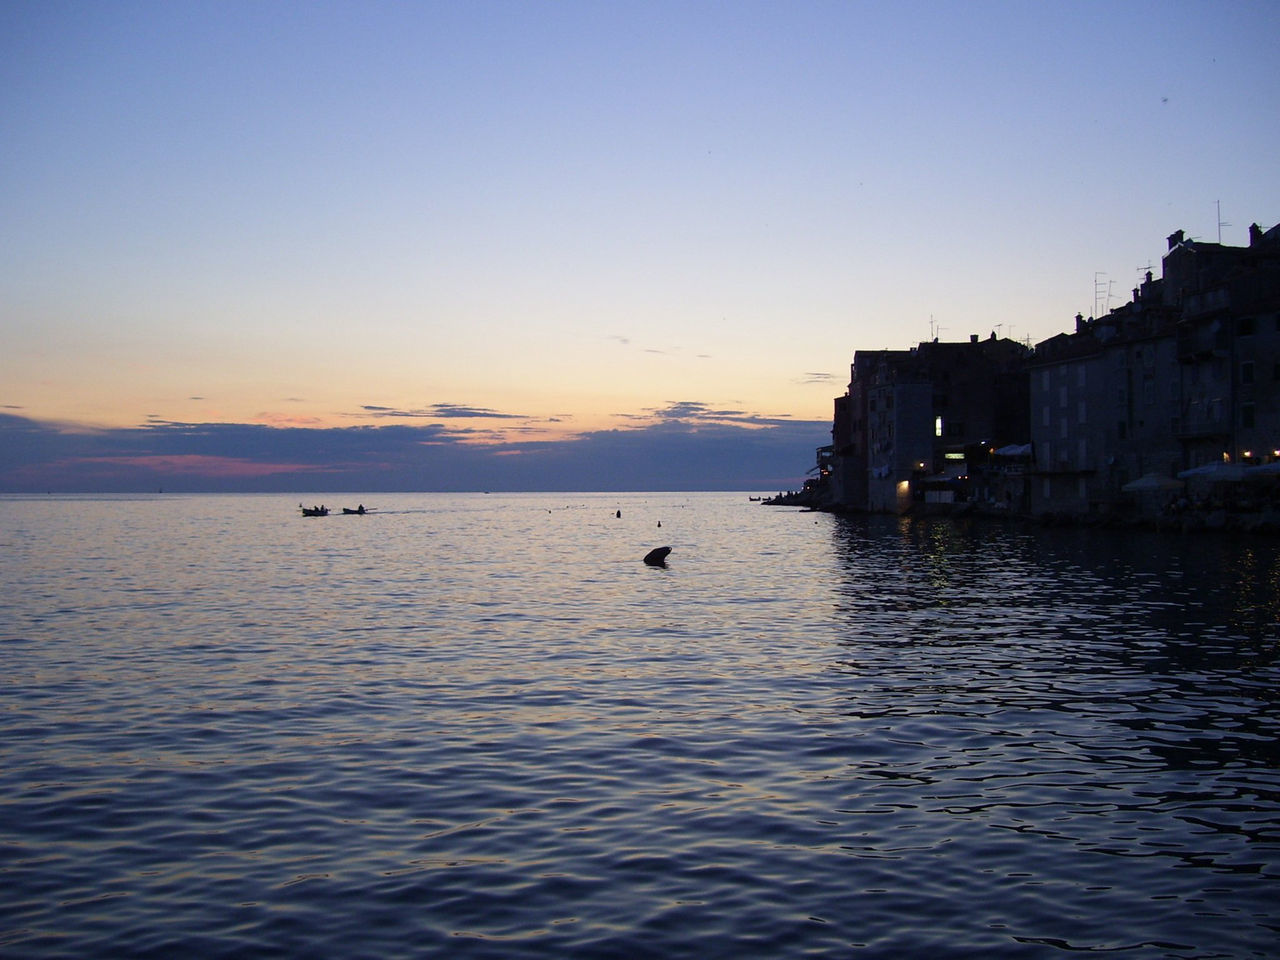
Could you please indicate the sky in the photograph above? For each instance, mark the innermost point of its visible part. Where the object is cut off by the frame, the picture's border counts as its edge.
(571, 245)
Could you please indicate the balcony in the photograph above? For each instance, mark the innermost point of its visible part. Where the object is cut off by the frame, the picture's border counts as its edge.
(1201, 343)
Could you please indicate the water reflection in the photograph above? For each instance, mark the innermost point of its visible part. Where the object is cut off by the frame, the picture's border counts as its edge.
(1101, 693)
(809, 736)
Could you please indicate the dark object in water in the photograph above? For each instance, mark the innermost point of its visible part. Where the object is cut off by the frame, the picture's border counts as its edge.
(360, 510)
(314, 511)
(657, 557)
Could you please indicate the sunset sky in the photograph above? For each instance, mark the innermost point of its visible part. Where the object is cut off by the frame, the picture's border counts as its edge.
(571, 233)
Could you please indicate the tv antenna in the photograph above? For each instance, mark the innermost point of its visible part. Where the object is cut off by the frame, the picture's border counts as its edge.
(1101, 294)
(1221, 223)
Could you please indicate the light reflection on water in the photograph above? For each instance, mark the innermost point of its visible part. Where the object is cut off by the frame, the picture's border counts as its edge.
(479, 726)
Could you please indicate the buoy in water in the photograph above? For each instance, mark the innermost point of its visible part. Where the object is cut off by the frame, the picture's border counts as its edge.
(657, 557)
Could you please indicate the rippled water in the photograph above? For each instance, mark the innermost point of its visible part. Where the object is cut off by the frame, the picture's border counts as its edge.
(479, 726)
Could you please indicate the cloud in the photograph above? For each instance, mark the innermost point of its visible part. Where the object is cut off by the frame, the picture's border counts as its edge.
(682, 446)
(440, 411)
(692, 413)
(287, 420)
(809, 379)
(189, 464)
(465, 412)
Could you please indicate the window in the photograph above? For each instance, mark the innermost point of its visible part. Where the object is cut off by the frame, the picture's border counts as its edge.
(937, 426)
(1246, 372)
(1121, 430)
(1245, 327)
(1246, 415)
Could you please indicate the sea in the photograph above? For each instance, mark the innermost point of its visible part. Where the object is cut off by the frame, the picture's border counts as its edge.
(480, 726)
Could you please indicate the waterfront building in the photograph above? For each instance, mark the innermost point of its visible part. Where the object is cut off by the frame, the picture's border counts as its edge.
(1228, 347)
(1101, 402)
(902, 431)
(1185, 375)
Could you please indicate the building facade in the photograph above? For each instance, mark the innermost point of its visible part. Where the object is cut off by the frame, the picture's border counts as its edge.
(1187, 374)
(902, 429)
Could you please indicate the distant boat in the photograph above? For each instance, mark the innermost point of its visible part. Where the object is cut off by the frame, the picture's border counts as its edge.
(359, 511)
(314, 511)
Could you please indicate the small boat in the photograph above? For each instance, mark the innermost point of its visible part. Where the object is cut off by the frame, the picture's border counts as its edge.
(359, 511)
(314, 511)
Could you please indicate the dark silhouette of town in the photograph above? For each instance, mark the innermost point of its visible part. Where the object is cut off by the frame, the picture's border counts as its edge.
(1163, 411)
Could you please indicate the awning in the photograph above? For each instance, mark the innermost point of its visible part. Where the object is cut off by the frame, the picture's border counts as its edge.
(1220, 472)
(1152, 483)
(950, 475)
(1015, 450)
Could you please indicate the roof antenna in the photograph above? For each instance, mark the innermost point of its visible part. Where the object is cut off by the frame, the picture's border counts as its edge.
(1221, 222)
(1101, 293)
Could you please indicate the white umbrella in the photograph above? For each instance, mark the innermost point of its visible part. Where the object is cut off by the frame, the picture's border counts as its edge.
(1152, 483)
(1229, 472)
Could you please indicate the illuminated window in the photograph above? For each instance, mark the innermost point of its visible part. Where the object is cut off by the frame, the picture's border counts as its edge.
(937, 426)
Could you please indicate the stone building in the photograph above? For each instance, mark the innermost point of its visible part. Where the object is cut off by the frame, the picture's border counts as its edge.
(901, 431)
(1101, 403)
(1228, 347)
(1186, 374)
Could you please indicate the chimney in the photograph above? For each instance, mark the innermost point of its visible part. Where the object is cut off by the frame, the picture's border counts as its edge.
(1255, 234)
(1175, 239)
(973, 338)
